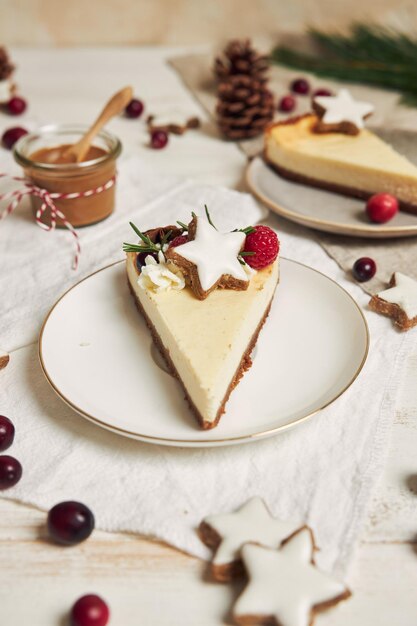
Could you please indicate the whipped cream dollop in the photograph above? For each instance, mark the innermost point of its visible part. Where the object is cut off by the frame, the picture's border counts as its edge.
(160, 275)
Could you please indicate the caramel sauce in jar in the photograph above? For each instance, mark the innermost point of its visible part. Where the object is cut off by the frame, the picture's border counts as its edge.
(42, 157)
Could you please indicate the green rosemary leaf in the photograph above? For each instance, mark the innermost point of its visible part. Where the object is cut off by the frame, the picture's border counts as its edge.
(135, 247)
(183, 226)
(244, 253)
(166, 237)
(208, 216)
(137, 231)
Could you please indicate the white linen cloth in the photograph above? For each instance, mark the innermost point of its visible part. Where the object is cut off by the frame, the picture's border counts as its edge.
(321, 473)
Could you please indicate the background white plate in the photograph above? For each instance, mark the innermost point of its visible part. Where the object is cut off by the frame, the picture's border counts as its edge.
(97, 354)
(327, 211)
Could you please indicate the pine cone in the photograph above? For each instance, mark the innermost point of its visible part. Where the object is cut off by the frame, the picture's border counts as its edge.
(239, 57)
(6, 67)
(245, 104)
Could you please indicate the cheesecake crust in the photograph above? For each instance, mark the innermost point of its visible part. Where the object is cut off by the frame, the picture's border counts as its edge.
(244, 365)
(344, 190)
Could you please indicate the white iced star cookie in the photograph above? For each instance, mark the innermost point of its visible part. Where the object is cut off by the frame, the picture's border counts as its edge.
(341, 113)
(285, 588)
(227, 533)
(399, 301)
(210, 258)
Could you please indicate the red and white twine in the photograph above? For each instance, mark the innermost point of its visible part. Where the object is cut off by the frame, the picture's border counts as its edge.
(29, 189)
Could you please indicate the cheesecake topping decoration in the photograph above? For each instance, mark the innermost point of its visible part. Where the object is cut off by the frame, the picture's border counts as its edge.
(210, 259)
(199, 255)
(158, 275)
(341, 113)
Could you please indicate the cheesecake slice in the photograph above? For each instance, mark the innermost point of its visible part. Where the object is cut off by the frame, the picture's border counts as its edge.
(359, 165)
(206, 343)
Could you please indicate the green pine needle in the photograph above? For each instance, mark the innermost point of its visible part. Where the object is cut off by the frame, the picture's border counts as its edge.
(369, 54)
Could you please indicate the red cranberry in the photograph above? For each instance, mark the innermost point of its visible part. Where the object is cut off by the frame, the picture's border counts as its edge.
(159, 139)
(300, 86)
(16, 105)
(134, 108)
(178, 241)
(70, 523)
(90, 610)
(322, 92)
(381, 207)
(10, 472)
(287, 104)
(364, 269)
(11, 135)
(6, 433)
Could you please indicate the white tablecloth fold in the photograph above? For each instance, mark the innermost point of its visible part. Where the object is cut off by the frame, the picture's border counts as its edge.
(321, 473)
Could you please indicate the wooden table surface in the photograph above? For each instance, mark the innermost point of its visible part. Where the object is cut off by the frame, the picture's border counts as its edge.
(145, 583)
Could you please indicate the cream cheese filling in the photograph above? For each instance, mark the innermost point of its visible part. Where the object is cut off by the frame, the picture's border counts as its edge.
(362, 162)
(206, 339)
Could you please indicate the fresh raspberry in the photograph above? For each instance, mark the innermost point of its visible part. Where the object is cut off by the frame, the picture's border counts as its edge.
(178, 241)
(264, 243)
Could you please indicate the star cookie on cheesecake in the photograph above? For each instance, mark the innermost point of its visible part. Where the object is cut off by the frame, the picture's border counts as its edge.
(398, 301)
(205, 296)
(341, 113)
(331, 149)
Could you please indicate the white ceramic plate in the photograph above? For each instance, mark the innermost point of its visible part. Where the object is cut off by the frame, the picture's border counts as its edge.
(327, 211)
(311, 349)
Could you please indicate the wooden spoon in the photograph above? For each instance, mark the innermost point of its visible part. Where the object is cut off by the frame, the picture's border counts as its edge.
(114, 106)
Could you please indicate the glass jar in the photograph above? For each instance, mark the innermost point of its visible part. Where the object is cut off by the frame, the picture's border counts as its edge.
(64, 178)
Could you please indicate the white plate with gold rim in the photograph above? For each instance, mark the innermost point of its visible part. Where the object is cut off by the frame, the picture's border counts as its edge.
(328, 211)
(98, 355)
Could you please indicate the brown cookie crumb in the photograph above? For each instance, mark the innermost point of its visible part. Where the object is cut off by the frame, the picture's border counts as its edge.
(4, 359)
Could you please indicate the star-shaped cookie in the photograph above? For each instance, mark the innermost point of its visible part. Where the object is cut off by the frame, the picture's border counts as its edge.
(227, 533)
(285, 587)
(341, 113)
(210, 258)
(399, 301)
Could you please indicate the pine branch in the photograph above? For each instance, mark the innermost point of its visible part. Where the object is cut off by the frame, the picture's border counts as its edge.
(369, 55)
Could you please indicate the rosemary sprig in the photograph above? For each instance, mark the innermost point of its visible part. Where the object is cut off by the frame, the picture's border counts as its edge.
(147, 246)
(135, 247)
(368, 54)
(183, 226)
(165, 238)
(209, 217)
